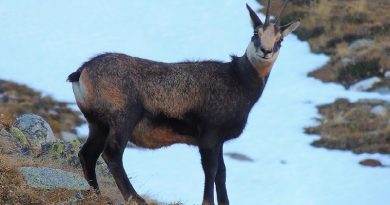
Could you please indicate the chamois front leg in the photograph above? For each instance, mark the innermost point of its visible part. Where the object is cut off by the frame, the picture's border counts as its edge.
(113, 153)
(209, 148)
(220, 180)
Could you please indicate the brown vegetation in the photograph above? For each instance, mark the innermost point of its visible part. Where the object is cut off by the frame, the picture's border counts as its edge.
(333, 26)
(361, 127)
(14, 190)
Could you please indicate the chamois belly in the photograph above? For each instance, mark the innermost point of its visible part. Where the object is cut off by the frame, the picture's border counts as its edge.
(149, 134)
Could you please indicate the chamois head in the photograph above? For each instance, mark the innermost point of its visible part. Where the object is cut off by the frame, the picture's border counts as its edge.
(264, 46)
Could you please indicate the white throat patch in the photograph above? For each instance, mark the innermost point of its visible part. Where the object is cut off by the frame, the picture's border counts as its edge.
(256, 59)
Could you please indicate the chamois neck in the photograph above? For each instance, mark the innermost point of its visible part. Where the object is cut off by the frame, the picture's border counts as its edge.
(262, 68)
(246, 73)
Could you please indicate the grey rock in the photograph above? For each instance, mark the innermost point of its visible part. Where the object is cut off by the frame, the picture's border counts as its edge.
(63, 152)
(361, 42)
(379, 110)
(49, 178)
(35, 128)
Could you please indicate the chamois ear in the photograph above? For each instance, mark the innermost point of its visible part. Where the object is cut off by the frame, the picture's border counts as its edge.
(256, 22)
(287, 29)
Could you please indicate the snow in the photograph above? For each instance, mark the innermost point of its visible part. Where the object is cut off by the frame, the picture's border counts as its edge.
(365, 84)
(43, 41)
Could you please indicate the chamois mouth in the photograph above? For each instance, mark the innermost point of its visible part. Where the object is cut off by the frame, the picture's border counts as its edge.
(263, 57)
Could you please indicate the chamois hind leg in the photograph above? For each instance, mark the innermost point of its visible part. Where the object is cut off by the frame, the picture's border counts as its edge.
(91, 151)
(113, 153)
(220, 180)
(209, 148)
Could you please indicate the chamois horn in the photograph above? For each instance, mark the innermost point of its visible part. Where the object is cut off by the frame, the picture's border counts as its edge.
(277, 21)
(267, 14)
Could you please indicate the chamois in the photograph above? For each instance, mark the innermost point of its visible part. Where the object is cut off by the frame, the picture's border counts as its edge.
(155, 104)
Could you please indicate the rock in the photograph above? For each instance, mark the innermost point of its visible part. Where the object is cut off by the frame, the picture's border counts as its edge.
(36, 129)
(68, 136)
(239, 157)
(21, 140)
(371, 163)
(366, 84)
(379, 110)
(63, 152)
(49, 178)
(360, 42)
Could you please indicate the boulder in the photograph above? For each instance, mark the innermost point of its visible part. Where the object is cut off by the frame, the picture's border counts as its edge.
(36, 129)
(49, 178)
(20, 140)
(63, 152)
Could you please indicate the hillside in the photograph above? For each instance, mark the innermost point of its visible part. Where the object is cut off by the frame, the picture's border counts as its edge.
(17, 99)
(355, 34)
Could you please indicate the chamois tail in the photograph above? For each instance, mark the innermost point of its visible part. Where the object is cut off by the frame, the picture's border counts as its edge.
(74, 77)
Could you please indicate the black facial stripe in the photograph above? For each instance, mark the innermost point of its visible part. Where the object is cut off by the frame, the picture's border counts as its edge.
(256, 42)
(277, 45)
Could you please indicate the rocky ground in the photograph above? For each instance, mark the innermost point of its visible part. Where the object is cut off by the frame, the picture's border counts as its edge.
(38, 168)
(355, 35)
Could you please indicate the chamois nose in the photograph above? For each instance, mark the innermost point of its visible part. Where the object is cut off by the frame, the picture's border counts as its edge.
(265, 51)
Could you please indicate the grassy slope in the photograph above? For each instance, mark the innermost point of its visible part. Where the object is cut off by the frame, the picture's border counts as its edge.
(330, 26)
